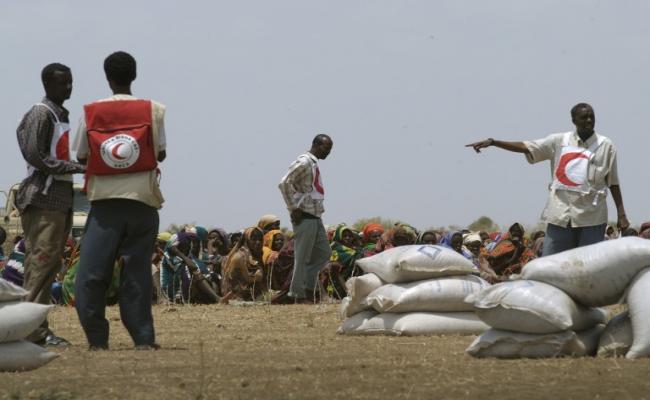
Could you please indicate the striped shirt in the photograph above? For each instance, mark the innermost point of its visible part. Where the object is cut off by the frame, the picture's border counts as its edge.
(297, 185)
(34, 137)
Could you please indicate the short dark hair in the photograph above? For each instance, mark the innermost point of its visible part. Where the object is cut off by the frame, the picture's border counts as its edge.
(320, 138)
(120, 68)
(48, 71)
(579, 106)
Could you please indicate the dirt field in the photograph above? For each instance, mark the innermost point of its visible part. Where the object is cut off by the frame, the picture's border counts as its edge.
(293, 352)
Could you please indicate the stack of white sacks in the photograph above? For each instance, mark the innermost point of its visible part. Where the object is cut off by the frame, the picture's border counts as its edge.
(17, 320)
(552, 310)
(412, 290)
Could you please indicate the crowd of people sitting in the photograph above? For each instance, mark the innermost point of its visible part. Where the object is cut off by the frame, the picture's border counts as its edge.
(196, 265)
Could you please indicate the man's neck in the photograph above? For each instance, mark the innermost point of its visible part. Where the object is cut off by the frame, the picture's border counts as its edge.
(57, 102)
(584, 136)
(121, 90)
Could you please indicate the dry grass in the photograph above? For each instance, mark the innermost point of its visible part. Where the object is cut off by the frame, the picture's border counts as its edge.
(292, 352)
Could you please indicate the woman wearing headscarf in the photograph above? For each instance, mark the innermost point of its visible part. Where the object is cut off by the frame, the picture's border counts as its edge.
(268, 223)
(510, 254)
(401, 234)
(428, 237)
(346, 250)
(243, 269)
(454, 240)
(371, 233)
(280, 265)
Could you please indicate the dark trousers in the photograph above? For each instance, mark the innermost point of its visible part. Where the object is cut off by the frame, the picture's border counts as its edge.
(117, 229)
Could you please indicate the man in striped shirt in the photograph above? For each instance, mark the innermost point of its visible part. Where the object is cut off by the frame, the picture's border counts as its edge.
(303, 192)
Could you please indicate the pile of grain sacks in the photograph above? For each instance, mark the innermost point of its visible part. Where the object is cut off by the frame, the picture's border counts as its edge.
(412, 290)
(17, 320)
(551, 311)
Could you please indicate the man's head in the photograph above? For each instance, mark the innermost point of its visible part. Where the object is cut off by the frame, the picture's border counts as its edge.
(120, 68)
(582, 115)
(321, 146)
(57, 82)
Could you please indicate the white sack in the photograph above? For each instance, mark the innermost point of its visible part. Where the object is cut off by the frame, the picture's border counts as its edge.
(416, 263)
(445, 294)
(505, 344)
(412, 324)
(19, 319)
(358, 288)
(532, 307)
(23, 356)
(616, 339)
(594, 275)
(10, 291)
(638, 301)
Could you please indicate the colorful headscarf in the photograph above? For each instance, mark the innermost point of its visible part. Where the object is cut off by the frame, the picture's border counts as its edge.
(369, 228)
(343, 254)
(267, 220)
(267, 250)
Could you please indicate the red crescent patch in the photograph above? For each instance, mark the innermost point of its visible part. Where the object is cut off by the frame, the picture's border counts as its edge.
(317, 184)
(560, 171)
(63, 147)
(114, 152)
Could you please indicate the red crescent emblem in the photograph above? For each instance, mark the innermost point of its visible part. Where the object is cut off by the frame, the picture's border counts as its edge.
(114, 151)
(317, 184)
(63, 147)
(560, 171)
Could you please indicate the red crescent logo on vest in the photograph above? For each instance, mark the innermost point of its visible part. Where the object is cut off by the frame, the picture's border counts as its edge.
(560, 171)
(63, 147)
(115, 152)
(317, 185)
(120, 151)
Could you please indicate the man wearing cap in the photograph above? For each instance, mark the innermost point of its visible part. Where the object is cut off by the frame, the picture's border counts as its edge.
(583, 167)
(121, 140)
(303, 192)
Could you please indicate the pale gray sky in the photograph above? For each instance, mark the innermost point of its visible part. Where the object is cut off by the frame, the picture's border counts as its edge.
(401, 87)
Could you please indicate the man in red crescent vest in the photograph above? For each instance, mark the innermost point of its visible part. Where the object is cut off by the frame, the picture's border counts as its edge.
(121, 140)
(45, 196)
(583, 167)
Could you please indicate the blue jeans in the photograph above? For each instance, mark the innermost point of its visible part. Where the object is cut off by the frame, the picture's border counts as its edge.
(559, 238)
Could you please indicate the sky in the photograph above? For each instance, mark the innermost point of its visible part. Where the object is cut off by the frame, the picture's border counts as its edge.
(400, 86)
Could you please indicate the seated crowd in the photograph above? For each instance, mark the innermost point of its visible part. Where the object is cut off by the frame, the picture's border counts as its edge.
(195, 265)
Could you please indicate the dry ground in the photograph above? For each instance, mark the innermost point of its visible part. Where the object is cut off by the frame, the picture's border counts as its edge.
(293, 352)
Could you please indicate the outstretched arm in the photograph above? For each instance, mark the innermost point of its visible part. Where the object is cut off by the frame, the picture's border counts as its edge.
(517, 147)
(623, 223)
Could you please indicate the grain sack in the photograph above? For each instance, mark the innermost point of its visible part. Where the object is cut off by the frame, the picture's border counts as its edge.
(616, 339)
(416, 263)
(445, 294)
(10, 291)
(23, 356)
(412, 324)
(358, 288)
(19, 319)
(594, 275)
(532, 307)
(638, 301)
(505, 344)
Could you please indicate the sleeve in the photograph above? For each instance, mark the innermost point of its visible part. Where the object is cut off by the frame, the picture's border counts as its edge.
(542, 149)
(34, 136)
(159, 117)
(297, 170)
(612, 176)
(81, 140)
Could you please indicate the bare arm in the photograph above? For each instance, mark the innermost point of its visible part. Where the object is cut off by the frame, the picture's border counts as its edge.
(517, 147)
(623, 222)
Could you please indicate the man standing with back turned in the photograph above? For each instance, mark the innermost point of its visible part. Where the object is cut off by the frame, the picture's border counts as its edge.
(302, 190)
(583, 166)
(121, 140)
(44, 198)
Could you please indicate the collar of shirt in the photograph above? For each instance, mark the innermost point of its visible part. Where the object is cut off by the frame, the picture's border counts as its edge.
(61, 111)
(586, 143)
(312, 157)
